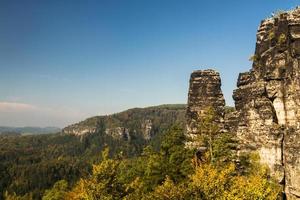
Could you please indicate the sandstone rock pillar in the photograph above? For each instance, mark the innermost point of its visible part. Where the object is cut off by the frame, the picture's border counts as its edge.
(204, 92)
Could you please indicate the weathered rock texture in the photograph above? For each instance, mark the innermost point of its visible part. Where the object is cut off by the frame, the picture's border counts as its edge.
(79, 130)
(205, 91)
(118, 132)
(267, 100)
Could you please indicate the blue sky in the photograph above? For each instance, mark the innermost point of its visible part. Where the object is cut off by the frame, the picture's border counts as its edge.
(62, 60)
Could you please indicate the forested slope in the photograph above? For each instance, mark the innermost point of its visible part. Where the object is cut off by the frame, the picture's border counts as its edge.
(30, 164)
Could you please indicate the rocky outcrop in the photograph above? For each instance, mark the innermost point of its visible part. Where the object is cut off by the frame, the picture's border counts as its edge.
(134, 124)
(119, 133)
(267, 100)
(116, 132)
(79, 130)
(204, 92)
(147, 129)
(84, 130)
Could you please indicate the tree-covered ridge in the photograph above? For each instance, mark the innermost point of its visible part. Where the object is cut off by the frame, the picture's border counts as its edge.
(133, 119)
(30, 164)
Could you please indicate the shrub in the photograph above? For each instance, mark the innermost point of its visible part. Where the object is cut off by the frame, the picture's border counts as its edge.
(253, 58)
(282, 38)
(271, 35)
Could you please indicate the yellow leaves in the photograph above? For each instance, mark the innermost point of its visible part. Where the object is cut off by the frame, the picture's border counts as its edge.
(253, 187)
(80, 191)
(223, 183)
(168, 191)
(57, 192)
(134, 189)
(136, 184)
(207, 182)
(157, 181)
(212, 182)
(103, 183)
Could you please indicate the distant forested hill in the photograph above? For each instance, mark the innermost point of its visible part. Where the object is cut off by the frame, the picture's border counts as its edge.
(134, 124)
(28, 130)
(29, 164)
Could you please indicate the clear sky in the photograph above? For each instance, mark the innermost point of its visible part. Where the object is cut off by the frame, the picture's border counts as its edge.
(64, 60)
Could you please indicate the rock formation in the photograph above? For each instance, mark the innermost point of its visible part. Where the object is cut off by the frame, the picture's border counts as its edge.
(205, 91)
(147, 127)
(118, 133)
(141, 123)
(79, 130)
(267, 100)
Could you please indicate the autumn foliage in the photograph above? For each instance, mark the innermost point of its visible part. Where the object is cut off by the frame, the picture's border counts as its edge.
(169, 174)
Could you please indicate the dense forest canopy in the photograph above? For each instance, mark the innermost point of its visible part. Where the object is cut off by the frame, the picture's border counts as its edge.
(32, 163)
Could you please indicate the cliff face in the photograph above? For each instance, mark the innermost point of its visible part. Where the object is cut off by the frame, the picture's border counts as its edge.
(267, 100)
(143, 123)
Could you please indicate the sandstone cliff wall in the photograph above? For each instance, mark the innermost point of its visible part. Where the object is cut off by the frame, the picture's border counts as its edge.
(267, 100)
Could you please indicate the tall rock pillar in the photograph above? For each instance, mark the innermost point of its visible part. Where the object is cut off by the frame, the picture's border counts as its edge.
(204, 92)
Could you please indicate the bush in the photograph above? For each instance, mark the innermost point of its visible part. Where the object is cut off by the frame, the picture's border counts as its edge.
(282, 38)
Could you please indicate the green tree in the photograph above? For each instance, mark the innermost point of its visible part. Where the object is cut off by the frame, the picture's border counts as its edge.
(208, 130)
(220, 145)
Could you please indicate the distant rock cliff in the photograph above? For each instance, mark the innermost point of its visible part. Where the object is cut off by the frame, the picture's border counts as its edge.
(267, 100)
(144, 123)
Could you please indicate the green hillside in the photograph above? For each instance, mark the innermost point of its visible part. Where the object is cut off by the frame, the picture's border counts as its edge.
(33, 163)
